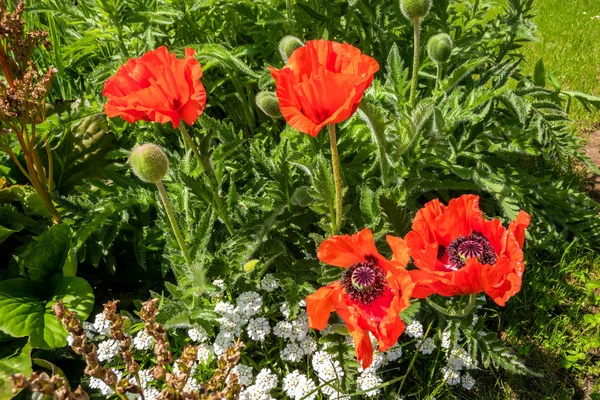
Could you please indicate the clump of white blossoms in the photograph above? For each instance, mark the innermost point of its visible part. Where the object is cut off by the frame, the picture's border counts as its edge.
(219, 284)
(427, 346)
(143, 341)
(414, 329)
(108, 349)
(269, 283)
(328, 370)
(249, 303)
(367, 381)
(244, 374)
(258, 328)
(101, 324)
(451, 377)
(197, 334)
(285, 310)
(292, 352)
(204, 351)
(393, 353)
(96, 383)
(266, 381)
(467, 381)
(298, 386)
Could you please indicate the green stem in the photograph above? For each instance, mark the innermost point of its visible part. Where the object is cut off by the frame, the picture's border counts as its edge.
(412, 361)
(452, 313)
(209, 172)
(169, 209)
(337, 179)
(415, 71)
(438, 81)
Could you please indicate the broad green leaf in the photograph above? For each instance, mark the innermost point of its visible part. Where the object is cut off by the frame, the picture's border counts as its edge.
(26, 308)
(18, 362)
(47, 254)
(539, 73)
(6, 232)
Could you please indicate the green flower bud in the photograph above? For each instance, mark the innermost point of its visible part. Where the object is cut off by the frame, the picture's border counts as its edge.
(269, 104)
(149, 162)
(415, 8)
(287, 45)
(439, 47)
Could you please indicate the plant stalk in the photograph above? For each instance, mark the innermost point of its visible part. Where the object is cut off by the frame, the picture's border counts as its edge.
(209, 172)
(169, 209)
(438, 81)
(417, 53)
(451, 313)
(337, 179)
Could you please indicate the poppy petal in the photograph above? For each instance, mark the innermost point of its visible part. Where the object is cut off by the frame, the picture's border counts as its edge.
(344, 251)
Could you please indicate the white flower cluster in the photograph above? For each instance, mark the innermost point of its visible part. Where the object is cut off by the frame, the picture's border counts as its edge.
(143, 341)
(108, 349)
(269, 283)
(414, 329)
(234, 318)
(427, 346)
(258, 328)
(204, 351)
(96, 383)
(197, 334)
(101, 324)
(367, 381)
(244, 374)
(328, 370)
(298, 386)
(266, 381)
(458, 360)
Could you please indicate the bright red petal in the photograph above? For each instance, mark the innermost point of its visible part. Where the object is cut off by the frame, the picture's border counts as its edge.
(343, 251)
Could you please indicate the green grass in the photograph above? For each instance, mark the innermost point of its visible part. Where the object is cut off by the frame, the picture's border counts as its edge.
(569, 46)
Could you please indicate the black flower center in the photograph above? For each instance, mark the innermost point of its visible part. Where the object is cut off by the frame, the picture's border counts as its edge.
(364, 282)
(465, 247)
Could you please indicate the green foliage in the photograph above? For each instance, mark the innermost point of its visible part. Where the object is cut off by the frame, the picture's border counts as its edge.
(26, 307)
(15, 360)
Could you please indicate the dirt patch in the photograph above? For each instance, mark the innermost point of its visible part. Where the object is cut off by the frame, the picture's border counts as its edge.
(592, 150)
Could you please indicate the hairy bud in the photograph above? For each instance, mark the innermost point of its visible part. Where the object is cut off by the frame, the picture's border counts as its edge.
(440, 47)
(287, 45)
(149, 162)
(269, 104)
(415, 8)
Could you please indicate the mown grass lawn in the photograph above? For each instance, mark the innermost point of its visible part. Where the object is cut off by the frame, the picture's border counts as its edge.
(569, 44)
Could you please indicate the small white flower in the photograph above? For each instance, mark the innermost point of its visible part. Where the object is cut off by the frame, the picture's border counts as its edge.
(308, 345)
(306, 389)
(197, 334)
(151, 394)
(302, 303)
(283, 329)
(89, 330)
(451, 377)
(96, 383)
(258, 328)
(292, 352)
(266, 380)
(191, 386)
(254, 393)
(249, 303)
(299, 327)
(143, 341)
(414, 330)
(269, 283)
(219, 283)
(204, 351)
(108, 349)
(467, 381)
(244, 373)
(223, 340)
(285, 310)
(101, 324)
(427, 346)
(224, 308)
(458, 358)
(368, 380)
(291, 382)
(70, 339)
(377, 362)
(394, 353)
(446, 338)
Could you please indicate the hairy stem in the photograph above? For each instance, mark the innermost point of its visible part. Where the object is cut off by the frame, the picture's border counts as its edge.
(438, 81)
(452, 313)
(169, 209)
(209, 172)
(415, 71)
(337, 179)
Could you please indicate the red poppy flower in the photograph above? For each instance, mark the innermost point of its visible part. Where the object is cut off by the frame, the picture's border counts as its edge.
(458, 252)
(157, 87)
(370, 295)
(322, 84)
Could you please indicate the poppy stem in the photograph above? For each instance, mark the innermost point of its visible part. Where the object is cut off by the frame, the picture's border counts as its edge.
(171, 215)
(337, 179)
(438, 81)
(209, 172)
(453, 313)
(415, 71)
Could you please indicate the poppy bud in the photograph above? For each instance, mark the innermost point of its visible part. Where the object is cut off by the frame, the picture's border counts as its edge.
(439, 47)
(415, 8)
(269, 104)
(287, 45)
(149, 162)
